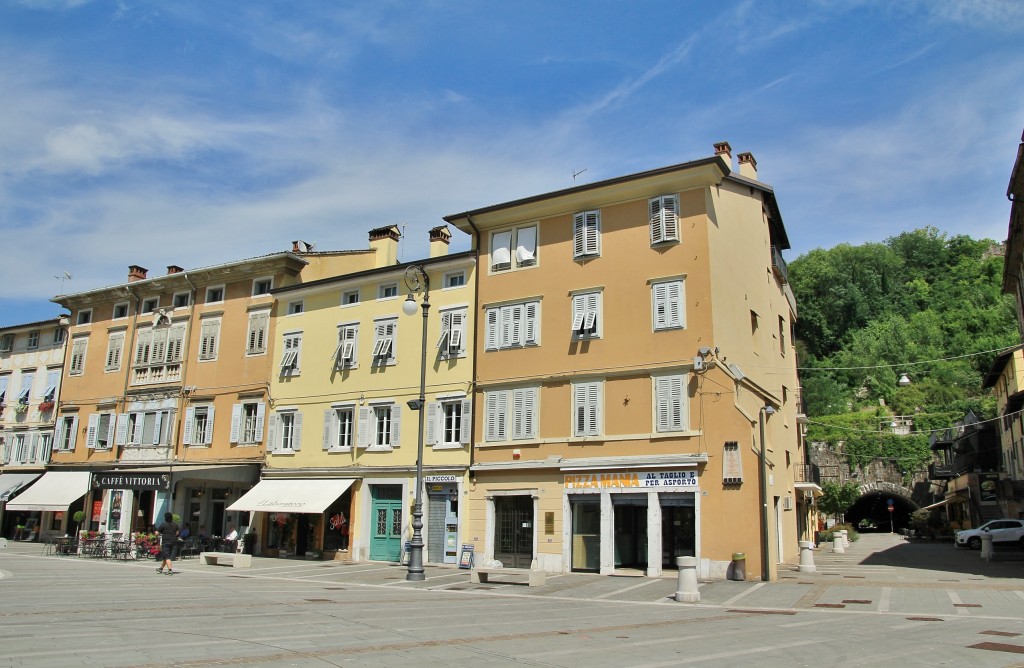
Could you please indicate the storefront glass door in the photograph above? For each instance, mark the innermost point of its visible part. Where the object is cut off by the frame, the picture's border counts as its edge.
(586, 533)
(513, 540)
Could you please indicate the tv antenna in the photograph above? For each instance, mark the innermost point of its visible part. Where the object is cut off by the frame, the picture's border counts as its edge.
(66, 276)
(575, 174)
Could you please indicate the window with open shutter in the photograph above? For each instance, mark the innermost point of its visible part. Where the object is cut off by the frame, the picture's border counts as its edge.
(586, 315)
(292, 344)
(664, 212)
(345, 353)
(384, 341)
(586, 229)
(501, 251)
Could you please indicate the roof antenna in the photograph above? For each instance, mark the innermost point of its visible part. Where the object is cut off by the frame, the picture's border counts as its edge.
(575, 174)
(400, 238)
(65, 277)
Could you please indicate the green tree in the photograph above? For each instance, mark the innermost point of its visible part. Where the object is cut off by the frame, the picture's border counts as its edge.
(836, 499)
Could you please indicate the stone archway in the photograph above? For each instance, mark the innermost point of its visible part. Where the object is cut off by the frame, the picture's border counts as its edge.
(892, 489)
(873, 506)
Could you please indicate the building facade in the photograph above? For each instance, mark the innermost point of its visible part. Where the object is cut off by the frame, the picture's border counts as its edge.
(340, 474)
(635, 383)
(31, 358)
(165, 391)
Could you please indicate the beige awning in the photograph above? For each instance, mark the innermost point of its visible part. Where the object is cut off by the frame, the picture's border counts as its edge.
(293, 495)
(10, 483)
(945, 502)
(54, 492)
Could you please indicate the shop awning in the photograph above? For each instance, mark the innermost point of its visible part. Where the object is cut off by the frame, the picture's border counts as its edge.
(55, 491)
(945, 502)
(295, 495)
(10, 483)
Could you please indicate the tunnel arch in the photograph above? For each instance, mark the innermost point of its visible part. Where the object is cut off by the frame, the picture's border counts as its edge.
(873, 505)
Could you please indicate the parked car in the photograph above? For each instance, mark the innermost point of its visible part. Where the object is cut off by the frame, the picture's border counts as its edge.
(1002, 531)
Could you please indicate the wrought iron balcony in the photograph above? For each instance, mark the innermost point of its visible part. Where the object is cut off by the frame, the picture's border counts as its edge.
(779, 265)
(807, 473)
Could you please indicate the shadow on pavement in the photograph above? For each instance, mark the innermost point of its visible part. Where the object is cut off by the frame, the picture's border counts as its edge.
(948, 558)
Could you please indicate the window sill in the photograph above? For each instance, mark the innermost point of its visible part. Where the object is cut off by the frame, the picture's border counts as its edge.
(246, 445)
(450, 446)
(204, 446)
(380, 448)
(341, 449)
(284, 451)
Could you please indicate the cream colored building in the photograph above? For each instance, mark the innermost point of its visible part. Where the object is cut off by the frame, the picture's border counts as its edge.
(341, 458)
(633, 334)
(31, 358)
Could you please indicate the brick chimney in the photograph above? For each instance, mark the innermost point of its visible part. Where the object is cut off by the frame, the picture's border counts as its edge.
(748, 166)
(724, 151)
(136, 273)
(384, 240)
(440, 237)
(174, 269)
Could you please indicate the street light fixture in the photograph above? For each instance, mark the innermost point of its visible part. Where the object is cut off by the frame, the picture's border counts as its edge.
(416, 280)
(765, 575)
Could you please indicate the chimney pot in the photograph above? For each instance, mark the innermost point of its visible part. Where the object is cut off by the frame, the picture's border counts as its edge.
(440, 237)
(724, 151)
(384, 240)
(136, 273)
(748, 166)
(174, 269)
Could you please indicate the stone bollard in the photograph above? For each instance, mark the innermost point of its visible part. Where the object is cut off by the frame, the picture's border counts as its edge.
(837, 544)
(3, 543)
(686, 589)
(986, 546)
(806, 557)
(846, 537)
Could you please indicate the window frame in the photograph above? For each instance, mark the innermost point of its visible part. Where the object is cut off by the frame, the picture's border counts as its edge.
(150, 305)
(33, 340)
(371, 419)
(296, 307)
(661, 231)
(246, 430)
(333, 433)
(584, 313)
(385, 345)
(346, 294)
(383, 288)
(668, 321)
(291, 354)
(586, 234)
(262, 286)
(76, 359)
(199, 420)
(502, 423)
(114, 354)
(127, 311)
(209, 339)
(348, 337)
(518, 256)
(450, 329)
(588, 408)
(217, 291)
(445, 431)
(84, 317)
(255, 344)
(502, 332)
(663, 395)
(454, 279)
(177, 296)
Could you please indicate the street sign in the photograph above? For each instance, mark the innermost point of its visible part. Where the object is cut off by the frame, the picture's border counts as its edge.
(891, 509)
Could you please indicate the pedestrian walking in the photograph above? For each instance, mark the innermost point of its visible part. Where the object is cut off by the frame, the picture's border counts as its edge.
(169, 531)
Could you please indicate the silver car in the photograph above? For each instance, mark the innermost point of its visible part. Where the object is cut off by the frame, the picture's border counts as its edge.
(1002, 531)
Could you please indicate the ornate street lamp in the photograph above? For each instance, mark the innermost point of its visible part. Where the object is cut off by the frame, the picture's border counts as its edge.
(416, 280)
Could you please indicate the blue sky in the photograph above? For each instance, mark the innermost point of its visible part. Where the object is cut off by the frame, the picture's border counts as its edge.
(196, 133)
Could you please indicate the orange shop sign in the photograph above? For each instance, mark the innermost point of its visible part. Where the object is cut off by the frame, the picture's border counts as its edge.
(619, 479)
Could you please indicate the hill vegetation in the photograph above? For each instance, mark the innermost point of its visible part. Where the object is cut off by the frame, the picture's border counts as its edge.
(919, 303)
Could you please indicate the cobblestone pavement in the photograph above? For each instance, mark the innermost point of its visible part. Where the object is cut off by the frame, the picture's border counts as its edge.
(883, 601)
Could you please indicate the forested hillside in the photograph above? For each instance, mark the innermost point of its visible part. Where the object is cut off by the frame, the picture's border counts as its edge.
(919, 303)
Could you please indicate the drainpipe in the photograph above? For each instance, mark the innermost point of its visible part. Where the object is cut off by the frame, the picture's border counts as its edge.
(765, 559)
(476, 336)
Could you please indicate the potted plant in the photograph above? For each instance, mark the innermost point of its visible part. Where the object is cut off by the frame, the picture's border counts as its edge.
(78, 517)
(46, 406)
(20, 408)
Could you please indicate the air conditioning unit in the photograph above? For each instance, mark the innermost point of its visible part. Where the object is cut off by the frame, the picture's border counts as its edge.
(787, 503)
(808, 495)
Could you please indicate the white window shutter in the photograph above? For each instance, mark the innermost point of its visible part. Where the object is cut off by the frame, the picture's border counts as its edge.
(396, 426)
(58, 434)
(208, 435)
(594, 409)
(157, 424)
(657, 231)
(236, 423)
(467, 422)
(491, 416)
(491, 338)
(261, 414)
(659, 292)
(272, 434)
(297, 432)
(446, 327)
(433, 422)
(365, 425)
(190, 418)
(90, 434)
(74, 433)
(578, 234)
(328, 429)
(670, 217)
(674, 303)
(122, 429)
(531, 324)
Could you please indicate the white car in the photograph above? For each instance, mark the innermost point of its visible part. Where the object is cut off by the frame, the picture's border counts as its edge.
(1002, 531)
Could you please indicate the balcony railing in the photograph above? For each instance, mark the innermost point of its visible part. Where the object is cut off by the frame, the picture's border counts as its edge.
(160, 373)
(807, 473)
(779, 265)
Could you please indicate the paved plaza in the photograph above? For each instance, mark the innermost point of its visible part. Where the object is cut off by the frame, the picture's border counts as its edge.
(883, 602)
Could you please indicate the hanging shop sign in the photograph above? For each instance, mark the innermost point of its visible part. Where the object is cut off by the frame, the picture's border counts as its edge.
(116, 480)
(645, 479)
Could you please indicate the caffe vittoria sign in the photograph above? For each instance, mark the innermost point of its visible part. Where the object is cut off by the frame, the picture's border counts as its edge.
(120, 480)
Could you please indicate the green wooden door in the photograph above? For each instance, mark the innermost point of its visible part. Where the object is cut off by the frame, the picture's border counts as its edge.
(386, 523)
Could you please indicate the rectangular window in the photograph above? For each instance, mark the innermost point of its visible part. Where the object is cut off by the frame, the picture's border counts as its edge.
(523, 420)
(145, 428)
(512, 325)
(214, 294)
(664, 212)
(586, 234)
(288, 436)
(387, 291)
(262, 286)
(670, 403)
(115, 346)
(181, 300)
(292, 346)
(296, 307)
(100, 431)
(198, 425)
(247, 422)
(159, 345)
(587, 408)
(77, 365)
(121, 311)
(455, 279)
(33, 339)
(782, 336)
(346, 351)
(67, 433)
(6, 343)
(350, 297)
(448, 422)
(209, 339)
(27, 381)
(256, 338)
(4, 382)
(58, 336)
(523, 240)
(380, 426)
(339, 428)
(52, 378)
(151, 304)
(452, 342)
(384, 335)
(586, 315)
(41, 455)
(84, 317)
(667, 297)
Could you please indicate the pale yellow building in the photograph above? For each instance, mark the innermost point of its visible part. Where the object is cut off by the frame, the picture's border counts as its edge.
(340, 471)
(633, 335)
